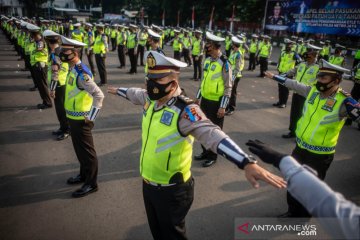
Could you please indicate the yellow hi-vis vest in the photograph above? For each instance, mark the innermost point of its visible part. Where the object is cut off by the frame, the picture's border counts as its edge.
(166, 155)
(131, 41)
(242, 51)
(307, 75)
(196, 47)
(265, 50)
(78, 102)
(357, 54)
(212, 85)
(143, 38)
(186, 41)
(99, 45)
(232, 60)
(228, 43)
(63, 71)
(177, 45)
(38, 55)
(121, 39)
(77, 35)
(287, 62)
(253, 47)
(319, 127)
(113, 33)
(89, 37)
(337, 60)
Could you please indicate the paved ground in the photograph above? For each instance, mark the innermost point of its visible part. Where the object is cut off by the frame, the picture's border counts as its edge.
(35, 202)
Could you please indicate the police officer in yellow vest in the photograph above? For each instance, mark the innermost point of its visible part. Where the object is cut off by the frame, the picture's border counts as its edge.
(187, 43)
(143, 36)
(57, 73)
(338, 59)
(197, 53)
(132, 46)
(83, 100)
(170, 123)
(236, 60)
(305, 73)
(78, 35)
(215, 89)
(176, 44)
(113, 36)
(89, 39)
(253, 48)
(327, 50)
(317, 132)
(38, 61)
(121, 45)
(264, 54)
(287, 61)
(154, 41)
(100, 48)
(228, 43)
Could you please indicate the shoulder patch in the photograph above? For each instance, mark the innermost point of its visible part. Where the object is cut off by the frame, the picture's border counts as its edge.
(191, 114)
(225, 61)
(185, 99)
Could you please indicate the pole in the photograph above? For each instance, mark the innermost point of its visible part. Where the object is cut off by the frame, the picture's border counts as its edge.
(263, 25)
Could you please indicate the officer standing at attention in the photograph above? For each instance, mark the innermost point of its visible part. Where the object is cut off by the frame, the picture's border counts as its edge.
(83, 100)
(78, 35)
(89, 41)
(215, 89)
(170, 123)
(338, 59)
(154, 41)
(100, 49)
(38, 61)
(57, 73)
(236, 61)
(317, 132)
(186, 40)
(287, 61)
(132, 45)
(176, 44)
(264, 54)
(121, 42)
(197, 54)
(305, 73)
(252, 50)
(143, 36)
(113, 34)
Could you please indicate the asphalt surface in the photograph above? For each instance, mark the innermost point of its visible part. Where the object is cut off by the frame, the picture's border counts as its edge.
(36, 203)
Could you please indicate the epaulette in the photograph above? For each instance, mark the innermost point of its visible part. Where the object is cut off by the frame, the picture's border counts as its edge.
(225, 61)
(81, 69)
(185, 99)
(346, 94)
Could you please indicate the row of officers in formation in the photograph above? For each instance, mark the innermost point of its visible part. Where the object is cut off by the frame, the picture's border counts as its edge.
(171, 121)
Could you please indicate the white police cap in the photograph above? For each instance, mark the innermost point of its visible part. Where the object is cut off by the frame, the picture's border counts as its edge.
(88, 24)
(77, 25)
(326, 67)
(236, 40)
(49, 33)
(132, 26)
(32, 27)
(100, 25)
(160, 66)
(153, 34)
(254, 36)
(71, 43)
(214, 38)
(287, 41)
(312, 47)
(339, 46)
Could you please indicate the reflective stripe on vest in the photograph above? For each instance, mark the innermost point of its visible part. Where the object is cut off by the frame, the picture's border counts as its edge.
(287, 62)
(307, 75)
(319, 127)
(164, 151)
(77, 102)
(212, 85)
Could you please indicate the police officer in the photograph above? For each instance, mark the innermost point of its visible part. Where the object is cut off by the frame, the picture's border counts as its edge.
(132, 46)
(326, 50)
(236, 61)
(186, 40)
(325, 110)
(143, 36)
(287, 61)
(228, 43)
(121, 42)
(215, 89)
(154, 41)
(197, 55)
(170, 123)
(113, 36)
(100, 48)
(89, 41)
(337, 58)
(38, 61)
(78, 35)
(57, 73)
(254, 44)
(305, 73)
(176, 44)
(83, 100)
(264, 54)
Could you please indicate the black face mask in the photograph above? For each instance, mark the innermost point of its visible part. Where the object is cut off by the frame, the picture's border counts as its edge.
(323, 87)
(66, 57)
(156, 90)
(53, 41)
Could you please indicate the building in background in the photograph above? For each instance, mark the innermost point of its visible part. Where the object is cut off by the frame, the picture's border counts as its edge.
(11, 8)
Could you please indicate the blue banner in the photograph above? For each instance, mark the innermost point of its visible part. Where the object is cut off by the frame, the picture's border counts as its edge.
(312, 16)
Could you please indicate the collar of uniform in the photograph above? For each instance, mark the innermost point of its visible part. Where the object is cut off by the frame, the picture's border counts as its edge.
(171, 101)
(214, 59)
(77, 63)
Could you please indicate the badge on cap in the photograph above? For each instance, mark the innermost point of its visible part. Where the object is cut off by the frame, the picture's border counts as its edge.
(151, 61)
